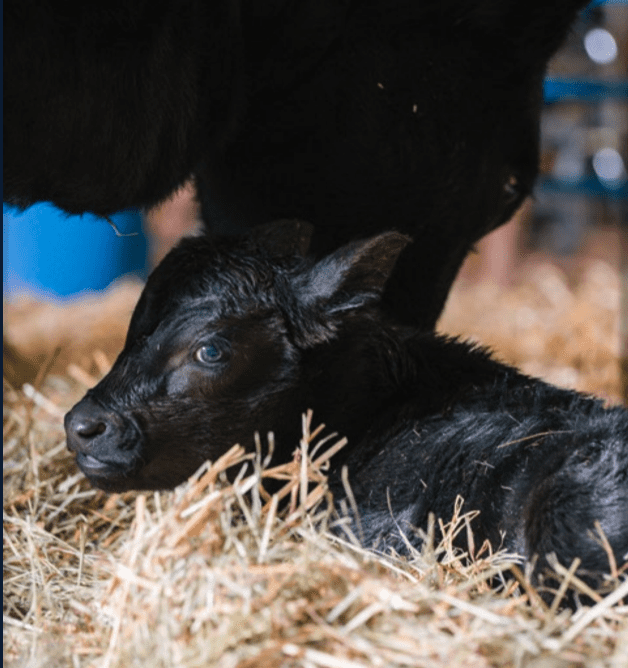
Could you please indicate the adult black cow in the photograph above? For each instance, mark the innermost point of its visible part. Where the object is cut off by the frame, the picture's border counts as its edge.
(359, 116)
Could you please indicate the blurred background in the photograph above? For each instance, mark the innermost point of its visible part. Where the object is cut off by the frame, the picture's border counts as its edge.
(548, 291)
(572, 234)
(584, 183)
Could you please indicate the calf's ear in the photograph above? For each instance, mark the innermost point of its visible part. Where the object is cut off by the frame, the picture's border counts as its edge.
(354, 274)
(282, 237)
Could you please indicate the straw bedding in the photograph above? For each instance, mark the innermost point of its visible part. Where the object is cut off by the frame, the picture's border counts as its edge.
(220, 574)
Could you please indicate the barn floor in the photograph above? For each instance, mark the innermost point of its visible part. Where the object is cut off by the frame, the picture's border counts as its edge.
(209, 576)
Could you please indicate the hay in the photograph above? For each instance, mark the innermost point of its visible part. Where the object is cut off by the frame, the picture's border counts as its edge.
(220, 574)
(548, 325)
(56, 335)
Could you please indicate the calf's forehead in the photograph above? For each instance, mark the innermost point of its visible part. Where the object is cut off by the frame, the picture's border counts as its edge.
(220, 281)
(199, 265)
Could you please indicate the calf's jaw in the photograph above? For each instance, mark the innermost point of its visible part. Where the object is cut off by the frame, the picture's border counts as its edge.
(160, 444)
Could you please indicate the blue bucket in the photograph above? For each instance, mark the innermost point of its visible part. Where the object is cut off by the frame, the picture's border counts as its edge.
(55, 256)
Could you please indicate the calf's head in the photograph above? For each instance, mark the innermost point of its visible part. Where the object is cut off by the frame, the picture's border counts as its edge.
(222, 344)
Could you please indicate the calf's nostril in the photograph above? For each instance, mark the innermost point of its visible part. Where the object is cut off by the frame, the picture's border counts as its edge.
(89, 428)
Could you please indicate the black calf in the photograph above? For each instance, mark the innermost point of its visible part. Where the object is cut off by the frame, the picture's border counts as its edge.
(231, 337)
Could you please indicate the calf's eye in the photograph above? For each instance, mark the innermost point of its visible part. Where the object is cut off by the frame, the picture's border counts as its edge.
(209, 354)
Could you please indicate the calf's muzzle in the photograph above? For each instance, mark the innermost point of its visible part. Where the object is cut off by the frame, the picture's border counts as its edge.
(107, 444)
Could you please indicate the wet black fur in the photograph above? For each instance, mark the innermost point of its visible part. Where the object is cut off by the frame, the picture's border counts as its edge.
(359, 116)
(428, 418)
